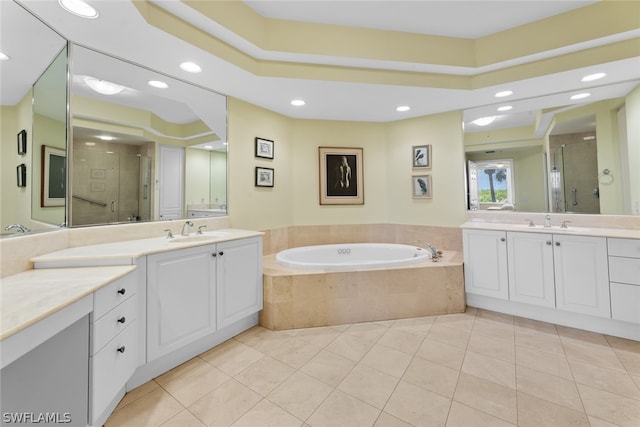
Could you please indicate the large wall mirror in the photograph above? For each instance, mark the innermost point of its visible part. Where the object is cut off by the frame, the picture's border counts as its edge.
(573, 158)
(124, 118)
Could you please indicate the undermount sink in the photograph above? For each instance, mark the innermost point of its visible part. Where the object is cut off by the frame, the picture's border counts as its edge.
(553, 228)
(200, 237)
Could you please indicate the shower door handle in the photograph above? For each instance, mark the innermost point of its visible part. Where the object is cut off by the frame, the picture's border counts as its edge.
(574, 192)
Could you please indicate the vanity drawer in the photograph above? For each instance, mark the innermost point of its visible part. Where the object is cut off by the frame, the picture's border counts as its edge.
(625, 302)
(624, 270)
(629, 248)
(111, 368)
(112, 323)
(105, 299)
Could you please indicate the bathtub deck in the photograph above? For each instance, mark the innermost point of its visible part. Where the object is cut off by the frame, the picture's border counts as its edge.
(306, 298)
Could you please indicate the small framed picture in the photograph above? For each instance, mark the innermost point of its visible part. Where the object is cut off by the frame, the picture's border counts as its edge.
(264, 177)
(421, 156)
(421, 187)
(54, 176)
(264, 148)
(22, 175)
(22, 142)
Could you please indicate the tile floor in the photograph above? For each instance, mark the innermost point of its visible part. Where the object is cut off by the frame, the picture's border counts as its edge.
(474, 369)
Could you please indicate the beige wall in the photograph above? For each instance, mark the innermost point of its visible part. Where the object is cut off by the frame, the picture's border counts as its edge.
(294, 200)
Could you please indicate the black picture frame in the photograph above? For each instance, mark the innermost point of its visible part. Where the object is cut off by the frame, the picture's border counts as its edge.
(22, 142)
(264, 148)
(21, 172)
(264, 177)
(341, 176)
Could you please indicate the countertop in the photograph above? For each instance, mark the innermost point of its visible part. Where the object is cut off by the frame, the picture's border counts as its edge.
(131, 249)
(555, 229)
(33, 295)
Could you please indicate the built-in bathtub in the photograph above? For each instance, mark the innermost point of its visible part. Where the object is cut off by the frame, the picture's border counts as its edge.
(328, 294)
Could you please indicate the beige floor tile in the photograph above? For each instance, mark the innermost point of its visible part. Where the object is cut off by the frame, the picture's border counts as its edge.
(151, 410)
(369, 385)
(293, 352)
(418, 406)
(340, 409)
(441, 353)
(340, 328)
(540, 340)
(458, 320)
(503, 330)
(415, 325)
(630, 360)
(225, 404)
(548, 387)
(386, 420)
(263, 339)
(572, 334)
(183, 419)
(369, 331)
(404, 341)
(320, 337)
(492, 347)
(266, 414)
(328, 367)
(542, 361)
(137, 393)
(464, 416)
(388, 360)
(195, 383)
(232, 357)
(592, 354)
(529, 325)
(610, 407)
(385, 323)
(482, 314)
(487, 396)
(623, 344)
(265, 375)
(180, 370)
(534, 412)
(453, 336)
(491, 369)
(597, 422)
(636, 379)
(613, 381)
(300, 395)
(349, 346)
(432, 377)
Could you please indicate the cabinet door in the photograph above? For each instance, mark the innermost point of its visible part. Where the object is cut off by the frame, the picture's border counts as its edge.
(181, 298)
(530, 259)
(485, 263)
(171, 182)
(239, 280)
(582, 274)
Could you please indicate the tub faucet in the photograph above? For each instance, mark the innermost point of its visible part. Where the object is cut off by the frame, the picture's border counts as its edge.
(19, 227)
(186, 227)
(434, 252)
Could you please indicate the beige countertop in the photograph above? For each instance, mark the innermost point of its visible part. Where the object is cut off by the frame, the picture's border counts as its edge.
(131, 249)
(555, 229)
(33, 295)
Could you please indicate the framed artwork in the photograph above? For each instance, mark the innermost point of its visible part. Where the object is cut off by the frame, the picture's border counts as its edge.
(421, 187)
(22, 175)
(22, 142)
(421, 156)
(54, 165)
(264, 177)
(264, 148)
(341, 176)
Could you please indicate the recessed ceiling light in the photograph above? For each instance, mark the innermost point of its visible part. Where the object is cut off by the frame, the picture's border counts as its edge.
(505, 108)
(225, 143)
(298, 102)
(79, 8)
(158, 84)
(580, 96)
(191, 67)
(592, 77)
(503, 93)
(90, 144)
(403, 108)
(102, 86)
(588, 138)
(106, 137)
(3, 56)
(208, 146)
(483, 121)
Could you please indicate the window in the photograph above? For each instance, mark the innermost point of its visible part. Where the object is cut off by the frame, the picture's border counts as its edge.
(495, 182)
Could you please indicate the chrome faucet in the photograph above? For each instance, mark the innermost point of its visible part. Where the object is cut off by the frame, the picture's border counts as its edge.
(547, 221)
(186, 227)
(21, 228)
(434, 252)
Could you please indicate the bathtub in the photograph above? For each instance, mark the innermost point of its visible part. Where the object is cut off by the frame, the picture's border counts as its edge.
(352, 256)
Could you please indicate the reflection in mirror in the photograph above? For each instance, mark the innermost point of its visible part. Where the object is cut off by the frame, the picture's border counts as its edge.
(574, 158)
(31, 47)
(123, 126)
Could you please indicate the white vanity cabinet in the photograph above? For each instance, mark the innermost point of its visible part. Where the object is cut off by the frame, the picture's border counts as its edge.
(624, 275)
(530, 266)
(113, 352)
(485, 263)
(181, 304)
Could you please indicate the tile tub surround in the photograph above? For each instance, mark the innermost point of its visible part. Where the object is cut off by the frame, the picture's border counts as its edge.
(310, 298)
